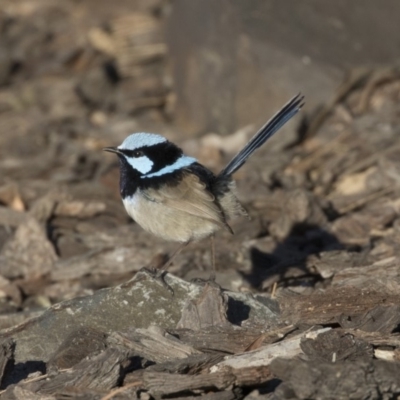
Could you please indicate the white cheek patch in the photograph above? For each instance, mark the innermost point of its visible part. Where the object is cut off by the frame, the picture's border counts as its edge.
(141, 164)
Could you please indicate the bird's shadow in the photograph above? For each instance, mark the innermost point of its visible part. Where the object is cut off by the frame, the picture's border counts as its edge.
(291, 253)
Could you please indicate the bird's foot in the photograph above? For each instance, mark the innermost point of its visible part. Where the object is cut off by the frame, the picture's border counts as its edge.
(158, 275)
(203, 282)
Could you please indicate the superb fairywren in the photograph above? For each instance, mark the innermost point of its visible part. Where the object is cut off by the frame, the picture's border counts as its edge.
(173, 196)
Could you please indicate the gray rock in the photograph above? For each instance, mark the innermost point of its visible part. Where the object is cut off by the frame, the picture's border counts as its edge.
(139, 303)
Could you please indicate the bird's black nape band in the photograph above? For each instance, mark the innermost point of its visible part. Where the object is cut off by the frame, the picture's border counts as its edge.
(272, 126)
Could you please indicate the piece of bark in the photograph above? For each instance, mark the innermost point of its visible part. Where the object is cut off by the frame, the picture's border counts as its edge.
(380, 276)
(152, 345)
(6, 356)
(29, 253)
(263, 356)
(333, 346)
(138, 39)
(225, 395)
(42, 209)
(386, 244)
(123, 249)
(125, 393)
(95, 89)
(102, 41)
(251, 376)
(376, 216)
(98, 261)
(352, 229)
(11, 290)
(378, 184)
(271, 336)
(208, 310)
(388, 355)
(11, 197)
(329, 263)
(300, 208)
(76, 346)
(327, 306)
(164, 384)
(79, 209)
(375, 338)
(383, 319)
(373, 379)
(230, 339)
(16, 392)
(227, 339)
(191, 365)
(101, 372)
(11, 218)
(351, 184)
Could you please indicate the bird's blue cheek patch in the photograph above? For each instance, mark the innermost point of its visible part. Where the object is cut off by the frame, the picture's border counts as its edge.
(141, 164)
(182, 162)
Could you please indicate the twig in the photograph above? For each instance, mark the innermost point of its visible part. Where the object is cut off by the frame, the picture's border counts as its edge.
(120, 390)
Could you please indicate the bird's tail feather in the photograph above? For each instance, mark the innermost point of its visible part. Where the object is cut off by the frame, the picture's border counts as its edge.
(273, 125)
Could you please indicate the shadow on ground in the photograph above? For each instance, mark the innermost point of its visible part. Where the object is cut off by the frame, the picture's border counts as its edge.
(287, 263)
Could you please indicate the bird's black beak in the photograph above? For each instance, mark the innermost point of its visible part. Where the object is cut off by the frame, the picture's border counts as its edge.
(112, 150)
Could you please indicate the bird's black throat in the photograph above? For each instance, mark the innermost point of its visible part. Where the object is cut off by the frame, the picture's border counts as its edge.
(131, 180)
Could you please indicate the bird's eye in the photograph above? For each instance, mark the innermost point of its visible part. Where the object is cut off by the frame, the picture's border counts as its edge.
(138, 153)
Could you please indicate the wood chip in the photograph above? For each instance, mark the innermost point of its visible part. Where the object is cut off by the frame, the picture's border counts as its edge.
(208, 310)
(28, 253)
(152, 345)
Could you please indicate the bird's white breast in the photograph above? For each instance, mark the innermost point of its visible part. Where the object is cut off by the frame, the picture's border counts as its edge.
(166, 222)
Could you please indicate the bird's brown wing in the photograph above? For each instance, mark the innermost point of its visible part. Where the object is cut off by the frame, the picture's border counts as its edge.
(190, 195)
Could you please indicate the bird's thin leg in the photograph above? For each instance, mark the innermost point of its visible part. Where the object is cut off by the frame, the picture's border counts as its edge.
(159, 273)
(173, 255)
(213, 271)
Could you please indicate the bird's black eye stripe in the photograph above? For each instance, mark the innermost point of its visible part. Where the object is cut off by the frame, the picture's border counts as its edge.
(133, 153)
(138, 153)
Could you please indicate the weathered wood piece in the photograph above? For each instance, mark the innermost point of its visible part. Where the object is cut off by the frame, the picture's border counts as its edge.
(329, 305)
(152, 345)
(101, 372)
(225, 395)
(375, 338)
(264, 355)
(193, 364)
(11, 218)
(380, 276)
(208, 310)
(28, 253)
(6, 355)
(335, 347)
(76, 346)
(382, 319)
(330, 263)
(164, 384)
(20, 393)
(230, 339)
(161, 384)
(373, 379)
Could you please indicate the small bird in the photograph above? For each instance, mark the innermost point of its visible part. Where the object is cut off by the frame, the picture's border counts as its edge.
(175, 197)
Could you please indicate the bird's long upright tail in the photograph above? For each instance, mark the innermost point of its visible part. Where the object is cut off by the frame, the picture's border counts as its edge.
(273, 125)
